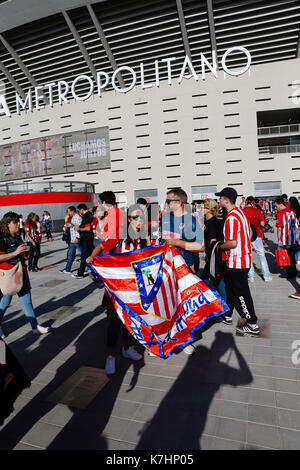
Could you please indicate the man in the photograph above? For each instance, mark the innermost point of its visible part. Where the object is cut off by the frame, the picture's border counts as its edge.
(285, 201)
(74, 241)
(181, 229)
(255, 217)
(113, 225)
(237, 247)
(86, 238)
(286, 233)
(142, 203)
(243, 203)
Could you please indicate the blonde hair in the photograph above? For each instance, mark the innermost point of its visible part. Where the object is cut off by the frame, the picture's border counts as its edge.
(99, 211)
(211, 205)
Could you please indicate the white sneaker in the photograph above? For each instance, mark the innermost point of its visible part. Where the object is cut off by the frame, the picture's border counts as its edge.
(42, 330)
(2, 335)
(251, 279)
(131, 353)
(189, 349)
(268, 279)
(110, 365)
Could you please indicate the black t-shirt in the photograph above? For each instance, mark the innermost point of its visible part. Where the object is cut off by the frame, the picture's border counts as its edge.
(212, 230)
(87, 221)
(8, 244)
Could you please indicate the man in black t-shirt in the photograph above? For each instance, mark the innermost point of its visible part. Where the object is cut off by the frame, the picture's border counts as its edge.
(86, 238)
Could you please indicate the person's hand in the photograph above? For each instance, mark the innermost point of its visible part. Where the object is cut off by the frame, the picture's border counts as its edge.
(19, 250)
(76, 240)
(76, 227)
(173, 241)
(89, 260)
(280, 243)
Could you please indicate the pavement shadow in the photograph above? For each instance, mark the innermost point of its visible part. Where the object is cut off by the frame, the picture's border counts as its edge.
(84, 431)
(12, 324)
(180, 419)
(36, 360)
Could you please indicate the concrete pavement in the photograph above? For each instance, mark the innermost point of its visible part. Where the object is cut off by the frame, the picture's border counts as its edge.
(232, 393)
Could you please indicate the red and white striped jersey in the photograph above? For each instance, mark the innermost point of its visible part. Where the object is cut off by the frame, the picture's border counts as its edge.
(237, 228)
(125, 247)
(287, 221)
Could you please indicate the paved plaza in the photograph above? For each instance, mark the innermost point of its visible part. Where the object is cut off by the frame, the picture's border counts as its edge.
(233, 393)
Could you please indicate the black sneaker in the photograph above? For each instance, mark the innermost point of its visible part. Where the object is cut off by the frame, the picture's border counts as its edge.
(226, 320)
(248, 330)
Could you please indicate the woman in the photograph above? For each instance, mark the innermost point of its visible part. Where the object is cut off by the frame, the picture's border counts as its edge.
(47, 221)
(22, 230)
(295, 206)
(33, 239)
(13, 250)
(136, 238)
(212, 234)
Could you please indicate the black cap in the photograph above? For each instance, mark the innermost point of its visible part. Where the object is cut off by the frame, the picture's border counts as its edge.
(228, 192)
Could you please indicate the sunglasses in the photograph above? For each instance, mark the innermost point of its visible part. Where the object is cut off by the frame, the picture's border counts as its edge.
(135, 217)
(170, 200)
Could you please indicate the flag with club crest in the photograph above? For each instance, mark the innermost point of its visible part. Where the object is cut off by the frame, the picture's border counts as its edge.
(157, 297)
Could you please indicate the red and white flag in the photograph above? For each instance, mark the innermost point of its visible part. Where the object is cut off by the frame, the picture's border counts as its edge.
(157, 297)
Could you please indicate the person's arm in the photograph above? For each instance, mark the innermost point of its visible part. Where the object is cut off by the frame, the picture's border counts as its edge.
(229, 245)
(96, 251)
(7, 256)
(195, 247)
(279, 229)
(230, 233)
(29, 238)
(279, 236)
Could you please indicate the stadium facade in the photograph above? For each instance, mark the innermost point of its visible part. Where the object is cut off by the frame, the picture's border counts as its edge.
(142, 96)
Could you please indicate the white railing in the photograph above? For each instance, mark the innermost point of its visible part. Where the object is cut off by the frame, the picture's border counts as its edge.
(285, 129)
(277, 149)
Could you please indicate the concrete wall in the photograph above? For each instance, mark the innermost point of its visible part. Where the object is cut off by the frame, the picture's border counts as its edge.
(179, 135)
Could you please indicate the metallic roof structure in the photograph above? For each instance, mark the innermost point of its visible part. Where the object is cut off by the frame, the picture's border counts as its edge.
(104, 35)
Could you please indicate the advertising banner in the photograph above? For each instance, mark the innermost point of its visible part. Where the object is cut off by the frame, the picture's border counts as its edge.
(52, 155)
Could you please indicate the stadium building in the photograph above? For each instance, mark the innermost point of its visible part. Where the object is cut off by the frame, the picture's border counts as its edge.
(145, 95)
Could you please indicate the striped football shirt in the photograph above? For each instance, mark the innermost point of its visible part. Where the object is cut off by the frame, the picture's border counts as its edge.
(287, 221)
(237, 228)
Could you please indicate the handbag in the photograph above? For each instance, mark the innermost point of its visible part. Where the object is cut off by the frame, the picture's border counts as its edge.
(282, 257)
(11, 280)
(216, 266)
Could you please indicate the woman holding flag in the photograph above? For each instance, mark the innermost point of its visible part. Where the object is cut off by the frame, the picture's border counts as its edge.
(136, 239)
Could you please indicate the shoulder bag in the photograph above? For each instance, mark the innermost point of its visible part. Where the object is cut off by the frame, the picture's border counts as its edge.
(11, 280)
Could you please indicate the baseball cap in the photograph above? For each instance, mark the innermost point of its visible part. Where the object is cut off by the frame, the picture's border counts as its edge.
(228, 192)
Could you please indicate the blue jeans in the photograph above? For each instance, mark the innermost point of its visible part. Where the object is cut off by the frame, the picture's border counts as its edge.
(25, 298)
(258, 247)
(71, 255)
(86, 245)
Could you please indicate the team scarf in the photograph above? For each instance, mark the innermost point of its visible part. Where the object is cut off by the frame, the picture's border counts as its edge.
(158, 298)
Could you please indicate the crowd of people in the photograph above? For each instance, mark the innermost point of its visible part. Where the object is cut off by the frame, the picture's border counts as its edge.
(228, 235)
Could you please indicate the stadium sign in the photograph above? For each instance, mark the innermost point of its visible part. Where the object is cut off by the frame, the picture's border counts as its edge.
(65, 91)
